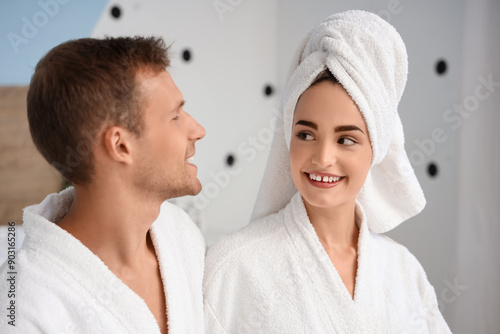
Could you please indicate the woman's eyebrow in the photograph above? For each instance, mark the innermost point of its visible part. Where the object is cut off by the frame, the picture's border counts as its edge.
(307, 123)
(342, 128)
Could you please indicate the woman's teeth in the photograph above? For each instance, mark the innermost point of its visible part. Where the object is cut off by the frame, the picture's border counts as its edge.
(190, 160)
(328, 179)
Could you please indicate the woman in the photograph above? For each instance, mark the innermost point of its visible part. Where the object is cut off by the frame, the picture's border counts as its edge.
(337, 176)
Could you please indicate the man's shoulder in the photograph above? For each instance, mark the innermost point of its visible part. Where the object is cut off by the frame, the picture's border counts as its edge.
(47, 298)
(24, 278)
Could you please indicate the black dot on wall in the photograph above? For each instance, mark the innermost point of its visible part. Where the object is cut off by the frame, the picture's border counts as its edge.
(441, 67)
(116, 12)
(230, 160)
(432, 169)
(268, 90)
(186, 55)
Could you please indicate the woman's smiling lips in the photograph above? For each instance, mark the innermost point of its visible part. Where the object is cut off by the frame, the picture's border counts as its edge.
(323, 180)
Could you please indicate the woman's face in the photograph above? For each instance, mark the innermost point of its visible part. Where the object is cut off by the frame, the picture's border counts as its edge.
(330, 151)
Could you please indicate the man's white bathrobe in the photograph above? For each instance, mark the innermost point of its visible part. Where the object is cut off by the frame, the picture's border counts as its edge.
(62, 287)
(274, 276)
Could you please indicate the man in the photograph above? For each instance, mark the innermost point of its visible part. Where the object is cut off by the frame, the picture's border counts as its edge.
(109, 255)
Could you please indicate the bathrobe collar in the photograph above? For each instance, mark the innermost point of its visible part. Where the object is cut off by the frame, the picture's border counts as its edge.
(296, 220)
(301, 220)
(114, 295)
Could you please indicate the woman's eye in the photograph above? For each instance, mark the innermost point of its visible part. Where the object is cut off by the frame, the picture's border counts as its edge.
(346, 141)
(304, 136)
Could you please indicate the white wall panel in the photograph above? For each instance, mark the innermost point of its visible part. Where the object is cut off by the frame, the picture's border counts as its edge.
(478, 306)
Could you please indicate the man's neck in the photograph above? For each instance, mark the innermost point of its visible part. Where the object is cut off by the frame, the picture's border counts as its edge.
(113, 225)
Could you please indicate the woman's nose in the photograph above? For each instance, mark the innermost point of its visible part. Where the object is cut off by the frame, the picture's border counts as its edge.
(325, 155)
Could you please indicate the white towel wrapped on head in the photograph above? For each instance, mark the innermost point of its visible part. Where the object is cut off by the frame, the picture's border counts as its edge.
(368, 58)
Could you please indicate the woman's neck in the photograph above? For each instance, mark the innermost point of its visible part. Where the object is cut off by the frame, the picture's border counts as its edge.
(335, 227)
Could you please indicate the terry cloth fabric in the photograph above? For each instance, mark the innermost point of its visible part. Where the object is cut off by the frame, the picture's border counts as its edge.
(368, 57)
(274, 276)
(62, 287)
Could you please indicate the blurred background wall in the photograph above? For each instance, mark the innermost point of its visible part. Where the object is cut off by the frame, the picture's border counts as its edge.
(230, 62)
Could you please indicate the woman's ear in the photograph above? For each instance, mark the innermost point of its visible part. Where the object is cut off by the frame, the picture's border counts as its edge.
(118, 144)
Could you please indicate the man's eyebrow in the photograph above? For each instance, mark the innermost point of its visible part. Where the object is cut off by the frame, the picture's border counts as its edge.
(181, 104)
(343, 128)
(307, 123)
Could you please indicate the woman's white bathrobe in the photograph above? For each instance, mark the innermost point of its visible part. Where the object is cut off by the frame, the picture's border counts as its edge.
(274, 276)
(62, 287)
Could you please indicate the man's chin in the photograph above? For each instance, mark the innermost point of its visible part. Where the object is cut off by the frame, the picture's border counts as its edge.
(197, 188)
(192, 189)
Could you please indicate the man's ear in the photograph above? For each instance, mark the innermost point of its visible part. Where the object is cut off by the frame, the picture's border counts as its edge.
(118, 144)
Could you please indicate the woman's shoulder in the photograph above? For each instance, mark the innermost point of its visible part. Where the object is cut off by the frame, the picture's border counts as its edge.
(250, 241)
(396, 254)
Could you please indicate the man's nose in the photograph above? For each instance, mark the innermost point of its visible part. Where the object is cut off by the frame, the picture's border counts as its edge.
(198, 131)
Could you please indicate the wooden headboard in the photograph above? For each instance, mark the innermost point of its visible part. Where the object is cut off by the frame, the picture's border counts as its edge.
(25, 177)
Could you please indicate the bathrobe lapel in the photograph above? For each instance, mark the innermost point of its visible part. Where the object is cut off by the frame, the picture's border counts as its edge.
(86, 296)
(179, 292)
(109, 299)
(341, 310)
